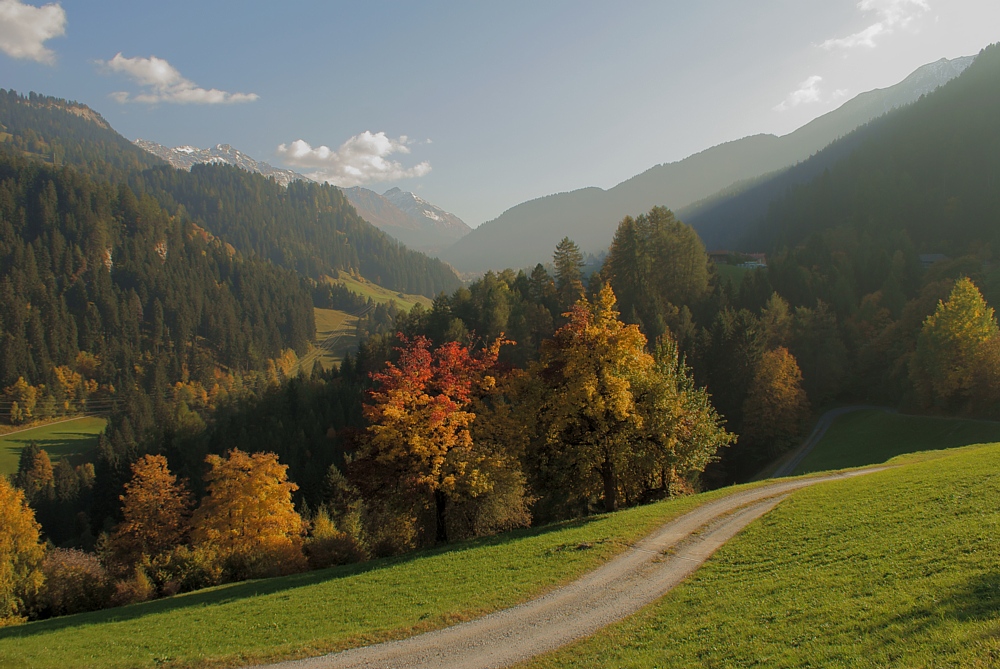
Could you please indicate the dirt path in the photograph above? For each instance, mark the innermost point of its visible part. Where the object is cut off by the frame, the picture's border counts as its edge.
(788, 467)
(614, 591)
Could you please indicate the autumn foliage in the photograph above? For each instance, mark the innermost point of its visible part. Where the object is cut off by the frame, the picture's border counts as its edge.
(21, 554)
(248, 518)
(155, 507)
(420, 422)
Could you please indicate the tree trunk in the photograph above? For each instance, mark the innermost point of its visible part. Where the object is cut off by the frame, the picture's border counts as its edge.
(441, 528)
(610, 485)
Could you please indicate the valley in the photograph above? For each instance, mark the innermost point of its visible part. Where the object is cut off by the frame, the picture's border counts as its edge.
(740, 409)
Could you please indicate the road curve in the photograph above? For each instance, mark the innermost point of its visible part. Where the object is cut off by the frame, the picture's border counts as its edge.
(614, 591)
(822, 425)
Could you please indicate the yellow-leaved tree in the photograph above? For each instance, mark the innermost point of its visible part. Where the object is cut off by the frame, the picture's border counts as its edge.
(21, 554)
(155, 510)
(248, 518)
(951, 346)
(587, 413)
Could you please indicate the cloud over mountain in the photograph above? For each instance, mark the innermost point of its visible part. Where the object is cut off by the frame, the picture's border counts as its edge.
(24, 29)
(892, 14)
(163, 83)
(362, 159)
(809, 92)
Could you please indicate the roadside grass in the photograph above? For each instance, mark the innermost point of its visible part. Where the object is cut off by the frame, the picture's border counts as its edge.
(382, 295)
(894, 569)
(323, 611)
(74, 439)
(870, 437)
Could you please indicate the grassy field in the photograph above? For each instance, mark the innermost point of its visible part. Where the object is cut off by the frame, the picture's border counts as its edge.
(870, 437)
(336, 608)
(335, 336)
(379, 294)
(732, 273)
(895, 569)
(74, 438)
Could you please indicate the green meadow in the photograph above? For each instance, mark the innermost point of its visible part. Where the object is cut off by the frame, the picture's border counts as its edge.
(75, 439)
(321, 611)
(871, 437)
(894, 569)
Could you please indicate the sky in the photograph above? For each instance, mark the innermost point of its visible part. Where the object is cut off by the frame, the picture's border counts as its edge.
(479, 106)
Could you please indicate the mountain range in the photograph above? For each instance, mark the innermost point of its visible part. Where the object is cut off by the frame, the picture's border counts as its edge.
(527, 233)
(407, 217)
(185, 157)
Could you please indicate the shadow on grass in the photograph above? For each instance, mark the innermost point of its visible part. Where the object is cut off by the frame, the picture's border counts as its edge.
(59, 445)
(977, 600)
(226, 594)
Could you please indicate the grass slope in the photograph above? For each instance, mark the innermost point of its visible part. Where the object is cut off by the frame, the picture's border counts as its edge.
(894, 569)
(337, 608)
(871, 437)
(73, 438)
(335, 336)
(380, 294)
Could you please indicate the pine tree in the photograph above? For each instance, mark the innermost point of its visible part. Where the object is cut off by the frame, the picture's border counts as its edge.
(568, 262)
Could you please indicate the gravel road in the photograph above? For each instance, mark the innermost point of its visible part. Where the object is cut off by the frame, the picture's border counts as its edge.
(614, 591)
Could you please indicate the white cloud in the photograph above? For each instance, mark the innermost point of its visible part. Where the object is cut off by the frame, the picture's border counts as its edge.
(892, 14)
(163, 83)
(360, 160)
(25, 28)
(807, 92)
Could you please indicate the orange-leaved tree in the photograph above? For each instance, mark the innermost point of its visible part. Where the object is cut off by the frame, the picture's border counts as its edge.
(155, 509)
(248, 517)
(21, 553)
(419, 420)
(777, 406)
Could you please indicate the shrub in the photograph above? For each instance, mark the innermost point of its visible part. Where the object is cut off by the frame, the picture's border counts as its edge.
(328, 546)
(137, 588)
(75, 582)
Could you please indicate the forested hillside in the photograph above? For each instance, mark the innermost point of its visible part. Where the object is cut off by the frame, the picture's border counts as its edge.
(62, 132)
(520, 236)
(89, 268)
(928, 171)
(309, 228)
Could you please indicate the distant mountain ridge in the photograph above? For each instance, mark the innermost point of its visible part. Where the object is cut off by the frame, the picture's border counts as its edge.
(409, 218)
(185, 157)
(527, 233)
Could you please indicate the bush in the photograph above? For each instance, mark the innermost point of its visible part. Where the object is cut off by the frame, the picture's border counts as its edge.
(75, 582)
(278, 559)
(184, 569)
(327, 546)
(137, 588)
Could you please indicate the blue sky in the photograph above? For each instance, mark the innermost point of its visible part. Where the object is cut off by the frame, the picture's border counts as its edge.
(474, 106)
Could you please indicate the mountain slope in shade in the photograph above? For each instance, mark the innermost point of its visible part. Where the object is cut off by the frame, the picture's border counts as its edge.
(527, 233)
(409, 218)
(184, 157)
